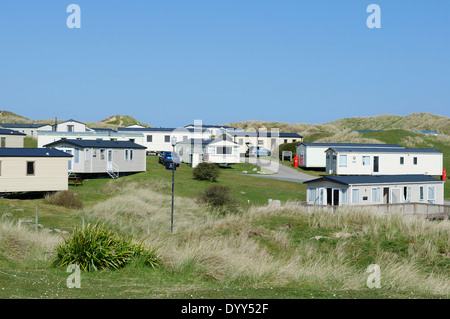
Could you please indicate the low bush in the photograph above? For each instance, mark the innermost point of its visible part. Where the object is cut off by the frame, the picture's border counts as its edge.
(63, 198)
(206, 171)
(219, 197)
(97, 248)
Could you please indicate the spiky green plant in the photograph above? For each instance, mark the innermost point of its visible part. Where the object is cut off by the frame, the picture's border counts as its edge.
(97, 248)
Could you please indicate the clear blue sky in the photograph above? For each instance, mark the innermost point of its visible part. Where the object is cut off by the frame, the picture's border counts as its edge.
(171, 62)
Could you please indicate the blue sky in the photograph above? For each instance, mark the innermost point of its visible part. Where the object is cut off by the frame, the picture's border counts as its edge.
(171, 62)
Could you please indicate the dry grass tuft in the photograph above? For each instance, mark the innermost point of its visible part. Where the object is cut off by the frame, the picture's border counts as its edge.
(63, 198)
(25, 245)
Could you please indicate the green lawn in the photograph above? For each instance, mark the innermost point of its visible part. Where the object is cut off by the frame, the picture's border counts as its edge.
(30, 142)
(136, 282)
(243, 187)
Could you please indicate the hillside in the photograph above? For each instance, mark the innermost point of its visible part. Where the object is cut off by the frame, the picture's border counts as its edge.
(109, 122)
(413, 121)
(123, 120)
(10, 117)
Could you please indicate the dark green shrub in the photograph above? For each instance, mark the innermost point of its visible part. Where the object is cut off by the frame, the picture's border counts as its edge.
(63, 198)
(206, 171)
(288, 147)
(219, 197)
(96, 248)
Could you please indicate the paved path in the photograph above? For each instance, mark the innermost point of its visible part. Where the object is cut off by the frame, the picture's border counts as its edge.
(284, 173)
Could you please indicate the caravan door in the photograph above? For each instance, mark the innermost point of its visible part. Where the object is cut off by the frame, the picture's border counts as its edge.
(395, 195)
(109, 160)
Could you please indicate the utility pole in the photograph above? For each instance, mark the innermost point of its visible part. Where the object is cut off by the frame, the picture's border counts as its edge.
(174, 142)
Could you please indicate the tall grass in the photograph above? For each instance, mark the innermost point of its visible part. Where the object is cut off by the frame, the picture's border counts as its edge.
(23, 245)
(277, 246)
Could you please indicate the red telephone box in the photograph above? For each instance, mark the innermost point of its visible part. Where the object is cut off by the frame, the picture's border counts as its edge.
(295, 161)
(444, 174)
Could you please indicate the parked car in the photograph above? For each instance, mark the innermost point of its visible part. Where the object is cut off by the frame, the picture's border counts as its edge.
(258, 151)
(167, 156)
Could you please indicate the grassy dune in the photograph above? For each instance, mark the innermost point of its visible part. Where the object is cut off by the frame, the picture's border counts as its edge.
(260, 252)
(413, 121)
(110, 122)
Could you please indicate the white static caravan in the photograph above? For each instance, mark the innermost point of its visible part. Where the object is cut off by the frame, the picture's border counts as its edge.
(158, 140)
(11, 138)
(312, 155)
(135, 126)
(383, 161)
(195, 151)
(31, 130)
(33, 170)
(215, 130)
(47, 137)
(373, 190)
(262, 138)
(70, 126)
(101, 157)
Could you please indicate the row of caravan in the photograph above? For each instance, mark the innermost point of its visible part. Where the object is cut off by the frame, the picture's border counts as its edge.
(372, 174)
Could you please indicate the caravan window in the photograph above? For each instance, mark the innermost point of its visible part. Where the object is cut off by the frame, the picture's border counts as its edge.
(102, 154)
(344, 196)
(312, 195)
(128, 155)
(30, 168)
(342, 160)
(224, 150)
(366, 160)
(355, 196)
(77, 155)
